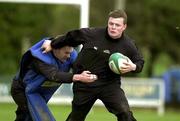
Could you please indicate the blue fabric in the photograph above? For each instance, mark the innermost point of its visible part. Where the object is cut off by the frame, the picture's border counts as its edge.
(37, 95)
(172, 84)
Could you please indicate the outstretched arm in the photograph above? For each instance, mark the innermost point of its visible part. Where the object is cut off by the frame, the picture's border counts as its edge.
(72, 38)
(54, 74)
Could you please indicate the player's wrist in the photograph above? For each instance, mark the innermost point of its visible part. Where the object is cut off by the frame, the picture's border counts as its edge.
(76, 77)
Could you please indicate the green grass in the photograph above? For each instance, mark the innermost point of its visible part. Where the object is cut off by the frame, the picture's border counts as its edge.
(7, 113)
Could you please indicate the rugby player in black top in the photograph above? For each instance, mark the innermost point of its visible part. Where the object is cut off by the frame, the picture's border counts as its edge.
(98, 45)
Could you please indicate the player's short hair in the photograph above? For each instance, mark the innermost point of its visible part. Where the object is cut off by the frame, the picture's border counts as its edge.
(118, 14)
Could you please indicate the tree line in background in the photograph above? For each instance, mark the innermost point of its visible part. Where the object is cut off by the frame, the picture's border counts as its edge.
(153, 24)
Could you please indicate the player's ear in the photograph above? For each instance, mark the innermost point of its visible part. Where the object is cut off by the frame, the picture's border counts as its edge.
(125, 26)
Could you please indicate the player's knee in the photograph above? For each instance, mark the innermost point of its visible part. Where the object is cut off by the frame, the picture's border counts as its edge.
(123, 109)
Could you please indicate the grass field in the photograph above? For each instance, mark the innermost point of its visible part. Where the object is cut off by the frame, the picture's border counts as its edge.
(96, 114)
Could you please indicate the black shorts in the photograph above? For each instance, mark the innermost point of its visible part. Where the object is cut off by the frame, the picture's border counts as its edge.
(111, 95)
(18, 94)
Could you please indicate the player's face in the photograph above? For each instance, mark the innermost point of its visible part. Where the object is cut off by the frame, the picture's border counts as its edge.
(116, 27)
(63, 53)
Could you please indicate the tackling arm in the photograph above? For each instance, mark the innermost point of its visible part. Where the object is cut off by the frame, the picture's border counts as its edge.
(54, 74)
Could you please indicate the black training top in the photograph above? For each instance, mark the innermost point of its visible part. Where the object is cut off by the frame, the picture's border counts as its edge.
(97, 48)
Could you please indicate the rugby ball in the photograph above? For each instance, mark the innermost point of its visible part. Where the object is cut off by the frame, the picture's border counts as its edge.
(116, 61)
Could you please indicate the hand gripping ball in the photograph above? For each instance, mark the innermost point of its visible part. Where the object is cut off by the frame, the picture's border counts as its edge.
(116, 62)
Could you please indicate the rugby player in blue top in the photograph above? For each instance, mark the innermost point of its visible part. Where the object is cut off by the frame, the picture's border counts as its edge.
(40, 75)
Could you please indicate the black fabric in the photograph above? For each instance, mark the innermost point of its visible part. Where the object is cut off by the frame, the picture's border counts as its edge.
(97, 48)
(126, 116)
(23, 115)
(62, 41)
(94, 56)
(17, 92)
(24, 66)
(112, 96)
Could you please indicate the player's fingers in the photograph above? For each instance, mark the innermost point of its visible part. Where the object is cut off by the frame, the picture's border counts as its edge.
(87, 72)
(44, 51)
(93, 77)
(124, 67)
(125, 63)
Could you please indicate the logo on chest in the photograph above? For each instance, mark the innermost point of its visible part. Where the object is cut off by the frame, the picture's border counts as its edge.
(104, 51)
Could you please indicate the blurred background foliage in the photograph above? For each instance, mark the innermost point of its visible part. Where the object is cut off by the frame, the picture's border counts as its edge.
(154, 24)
